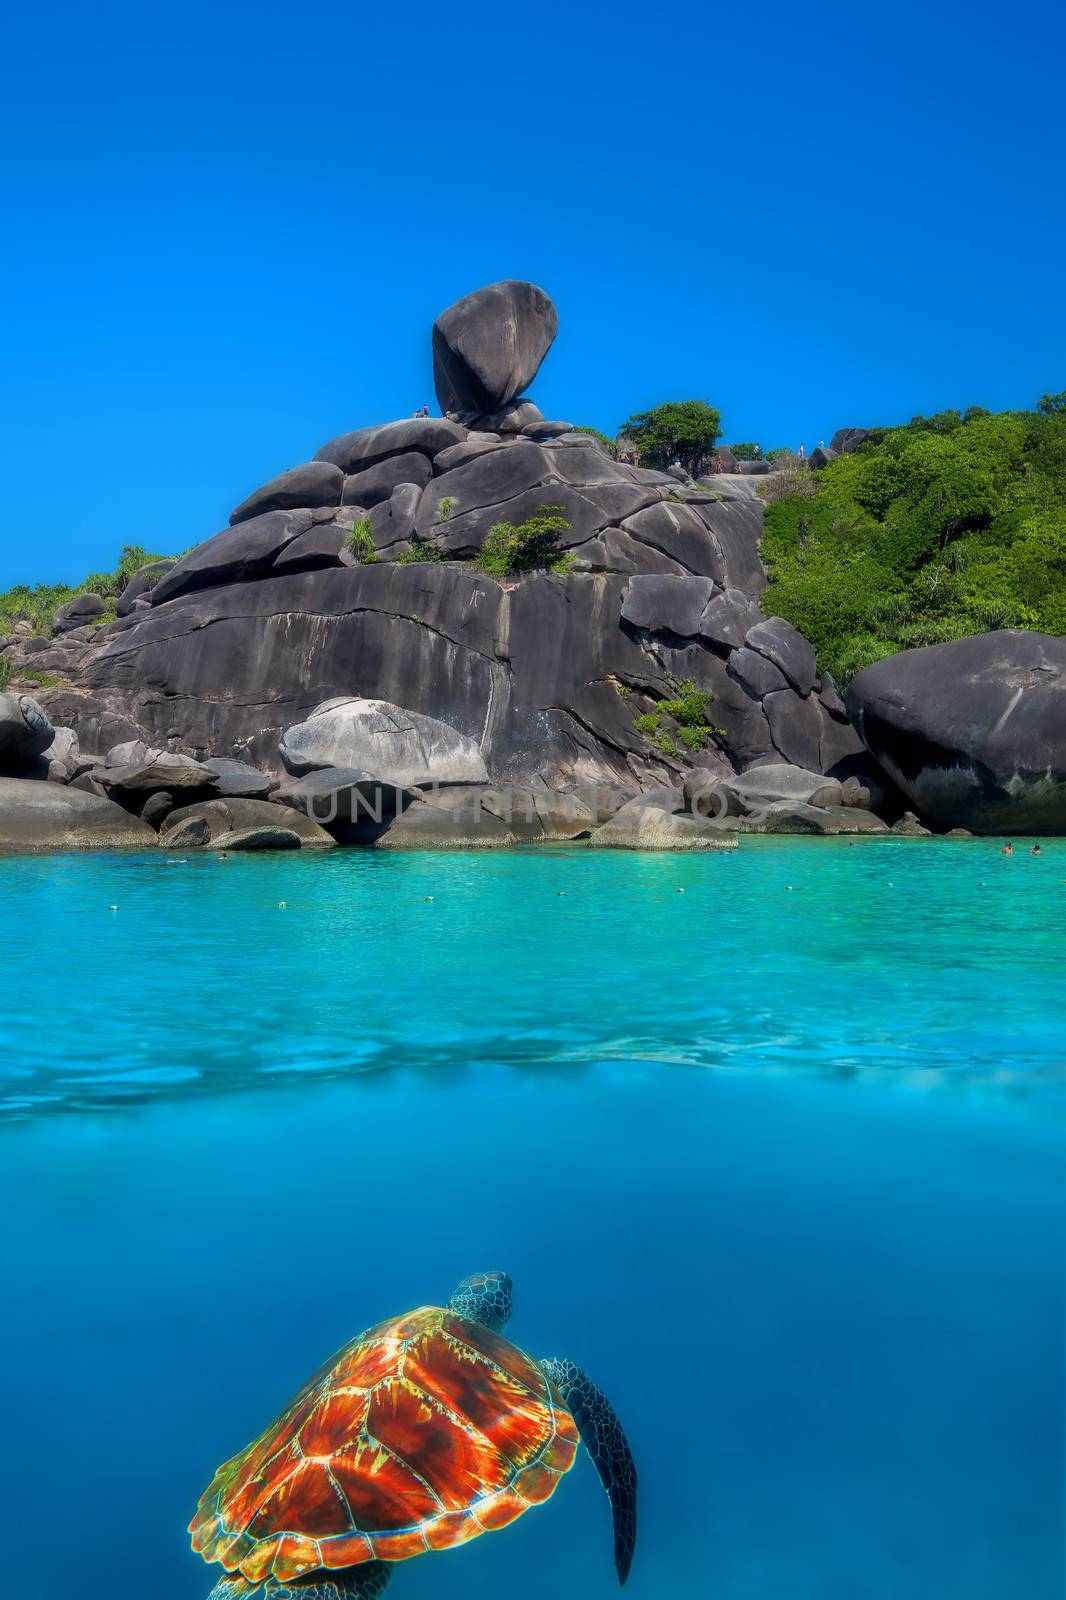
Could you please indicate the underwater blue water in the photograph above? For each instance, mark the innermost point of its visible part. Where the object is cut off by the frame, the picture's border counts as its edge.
(779, 1160)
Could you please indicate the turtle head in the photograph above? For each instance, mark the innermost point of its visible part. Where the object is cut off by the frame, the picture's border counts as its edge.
(484, 1298)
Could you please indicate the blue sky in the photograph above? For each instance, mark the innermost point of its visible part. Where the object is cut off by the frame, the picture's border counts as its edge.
(227, 229)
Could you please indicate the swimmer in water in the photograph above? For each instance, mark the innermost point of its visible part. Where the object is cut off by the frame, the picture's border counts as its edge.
(1008, 849)
(1036, 851)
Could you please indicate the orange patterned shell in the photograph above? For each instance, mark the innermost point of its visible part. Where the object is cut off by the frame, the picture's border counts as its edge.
(424, 1432)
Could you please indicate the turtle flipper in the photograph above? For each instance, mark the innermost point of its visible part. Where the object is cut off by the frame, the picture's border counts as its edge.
(365, 1582)
(606, 1443)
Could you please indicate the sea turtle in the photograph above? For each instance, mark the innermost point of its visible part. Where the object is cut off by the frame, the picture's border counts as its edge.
(422, 1433)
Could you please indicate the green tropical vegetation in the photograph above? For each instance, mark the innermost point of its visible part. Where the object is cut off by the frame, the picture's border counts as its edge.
(421, 550)
(682, 429)
(360, 542)
(531, 546)
(681, 717)
(36, 605)
(952, 525)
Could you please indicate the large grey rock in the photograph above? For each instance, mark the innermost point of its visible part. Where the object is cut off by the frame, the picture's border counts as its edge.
(680, 533)
(457, 455)
(518, 417)
(376, 483)
(908, 826)
(796, 727)
(325, 544)
(165, 771)
(141, 585)
(25, 731)
(316, 483)
(84, 608)
(397, 746)
(425, 826)
(546, 429)
(221, 817)
(238, 781)
(343, 795)
(488, 347)
(353, 452)
(37, 815)
(780, 643)
(792, 816)
(393, 520)
(235, 555)
(99, 722)
(644, 825)
(845, 440)
(670, 605)
(261, 838)
(727, 617)
(758, 675)
(973, 731)
(768, 784)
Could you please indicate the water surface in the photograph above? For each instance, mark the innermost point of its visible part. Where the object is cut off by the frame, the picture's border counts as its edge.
(778, 1159)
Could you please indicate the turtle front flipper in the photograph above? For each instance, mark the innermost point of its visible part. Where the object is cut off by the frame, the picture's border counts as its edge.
(606, 1443)
(365, 1582)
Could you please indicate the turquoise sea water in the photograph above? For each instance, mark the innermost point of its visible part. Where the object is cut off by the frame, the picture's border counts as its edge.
(778, 1159)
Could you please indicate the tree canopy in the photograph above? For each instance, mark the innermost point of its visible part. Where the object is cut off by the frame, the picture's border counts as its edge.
(951, 525)
(685, 429)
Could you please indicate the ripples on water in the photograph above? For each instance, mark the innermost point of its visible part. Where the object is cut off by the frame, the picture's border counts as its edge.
(830, 1313)
(941, 961)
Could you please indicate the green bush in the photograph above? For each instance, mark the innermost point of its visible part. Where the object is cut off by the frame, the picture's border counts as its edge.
(952, 525)
(684, 712)
(360, 542)
(421, 550)
(530, 547)
(5, 672)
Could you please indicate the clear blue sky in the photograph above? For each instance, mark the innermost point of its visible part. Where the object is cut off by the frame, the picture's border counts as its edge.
(227, 229)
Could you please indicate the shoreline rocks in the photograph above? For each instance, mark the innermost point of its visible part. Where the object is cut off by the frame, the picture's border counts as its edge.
(974, 731)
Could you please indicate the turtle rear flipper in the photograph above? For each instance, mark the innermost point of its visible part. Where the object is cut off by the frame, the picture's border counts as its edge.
(603, 1438)
(365, 1582)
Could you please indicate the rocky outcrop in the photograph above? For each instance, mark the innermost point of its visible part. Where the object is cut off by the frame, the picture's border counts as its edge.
(256, 647)
(399, 747)
(656, 822)
(140, 585)
(77, 613)
(37, 815)
(211, 821)
(25, 731)
(488, 347)
(973, 731)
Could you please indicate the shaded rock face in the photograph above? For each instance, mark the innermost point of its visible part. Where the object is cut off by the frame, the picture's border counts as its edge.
(973, 731)
(488, 347)
(25, 731)
(540, 678)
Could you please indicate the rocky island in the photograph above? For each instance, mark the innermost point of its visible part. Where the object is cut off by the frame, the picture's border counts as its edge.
(482, 629)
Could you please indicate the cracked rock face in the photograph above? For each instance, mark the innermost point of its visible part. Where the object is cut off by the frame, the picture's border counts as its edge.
(973, 731)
